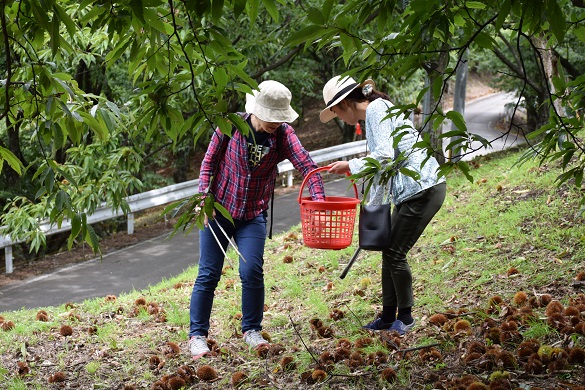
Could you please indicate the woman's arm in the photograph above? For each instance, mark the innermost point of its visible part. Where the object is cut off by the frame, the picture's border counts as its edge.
(302, 161)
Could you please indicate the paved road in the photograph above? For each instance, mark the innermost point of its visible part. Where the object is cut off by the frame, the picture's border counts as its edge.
(481, 117)
(138, 266)
(147, 263)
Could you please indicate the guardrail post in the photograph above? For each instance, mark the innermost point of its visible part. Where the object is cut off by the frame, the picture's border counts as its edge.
(8, 257)
(130, 219)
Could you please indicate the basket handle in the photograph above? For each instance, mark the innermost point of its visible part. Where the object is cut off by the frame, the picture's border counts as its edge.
(319, 170)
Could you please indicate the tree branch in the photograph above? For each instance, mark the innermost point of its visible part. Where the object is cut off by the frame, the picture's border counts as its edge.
(278, 63)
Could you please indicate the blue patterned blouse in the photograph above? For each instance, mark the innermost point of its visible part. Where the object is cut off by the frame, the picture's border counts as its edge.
(379, 133)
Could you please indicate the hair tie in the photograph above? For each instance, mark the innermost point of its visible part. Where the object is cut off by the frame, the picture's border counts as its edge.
(367, 90)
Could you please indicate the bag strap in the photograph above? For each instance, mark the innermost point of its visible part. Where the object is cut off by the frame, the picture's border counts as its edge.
(278, 150)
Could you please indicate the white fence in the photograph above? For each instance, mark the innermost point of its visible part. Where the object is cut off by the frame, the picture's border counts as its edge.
(161, 196)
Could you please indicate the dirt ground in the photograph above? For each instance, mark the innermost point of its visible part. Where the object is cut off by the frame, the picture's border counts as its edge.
(313, 134)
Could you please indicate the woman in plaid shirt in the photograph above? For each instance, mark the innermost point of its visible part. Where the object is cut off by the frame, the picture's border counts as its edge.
(240, 171)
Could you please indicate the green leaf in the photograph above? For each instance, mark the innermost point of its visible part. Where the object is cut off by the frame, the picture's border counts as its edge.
(11, 159)
(458, 120)
(305, 35)
(120, 48)
(559, 84)
(59, 136)
(74, 130)
(154, 21)
(505, 7)
(239, 122)
(220, 79)
(138, 10)
(556, 19)
(239, 7)
(270, 6)
(463, 167)
(484, 40)
(60, 200)
(475, 5)
(326, 7)
(40, 15)
(49, 181)
(67, 21)
(437, 87)
(453, 133)
(253, 9)
(458, 20)
(579, 32)
(176, 116)
(55, 37)
(216, 10)
(410, 173)
(65, 87)
(75, 230)
(95, 11)
(95, 125)
(347, 43)
(315, 16)
(223, 211)
(578, 176)
(92, 239)
(69, 178)
(240, 72)
(224, 125)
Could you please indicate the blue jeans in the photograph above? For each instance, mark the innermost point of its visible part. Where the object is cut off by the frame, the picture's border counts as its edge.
(250, 237)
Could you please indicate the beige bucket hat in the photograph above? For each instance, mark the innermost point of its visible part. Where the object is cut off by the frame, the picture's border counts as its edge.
(271, 103)
(335, 91)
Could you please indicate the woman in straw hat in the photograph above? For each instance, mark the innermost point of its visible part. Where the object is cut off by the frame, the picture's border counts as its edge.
(240, 171)
(415, 201)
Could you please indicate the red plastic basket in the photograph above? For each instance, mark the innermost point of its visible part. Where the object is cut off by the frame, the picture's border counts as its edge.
(328, 224)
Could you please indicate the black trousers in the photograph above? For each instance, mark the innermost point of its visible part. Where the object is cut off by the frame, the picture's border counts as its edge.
(409, 220)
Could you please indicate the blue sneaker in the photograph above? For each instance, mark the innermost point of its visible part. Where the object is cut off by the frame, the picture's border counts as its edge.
(378, 324)
(400, 327)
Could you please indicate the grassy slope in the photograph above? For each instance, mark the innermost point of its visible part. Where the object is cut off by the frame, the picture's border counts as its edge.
(511, 230)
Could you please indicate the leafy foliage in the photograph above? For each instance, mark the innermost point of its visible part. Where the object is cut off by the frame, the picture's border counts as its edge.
(182, 68)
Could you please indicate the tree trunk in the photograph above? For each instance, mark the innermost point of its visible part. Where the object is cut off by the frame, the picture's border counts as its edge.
(434, 70)
(550, 67)
(459, 102)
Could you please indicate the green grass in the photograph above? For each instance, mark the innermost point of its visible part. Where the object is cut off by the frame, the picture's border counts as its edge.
(508, 217)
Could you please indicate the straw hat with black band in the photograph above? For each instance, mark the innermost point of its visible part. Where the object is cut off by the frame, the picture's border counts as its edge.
(336, 90)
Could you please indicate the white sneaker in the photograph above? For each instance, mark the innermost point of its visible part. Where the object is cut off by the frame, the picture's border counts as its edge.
(254, 339)
(198, 346)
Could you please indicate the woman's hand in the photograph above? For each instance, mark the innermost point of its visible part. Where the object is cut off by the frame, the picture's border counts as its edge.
(340, 167)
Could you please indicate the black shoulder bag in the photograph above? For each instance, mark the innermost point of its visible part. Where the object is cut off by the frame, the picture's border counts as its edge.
(374, 225)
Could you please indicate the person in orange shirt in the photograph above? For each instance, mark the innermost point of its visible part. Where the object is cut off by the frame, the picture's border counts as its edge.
(357, 136)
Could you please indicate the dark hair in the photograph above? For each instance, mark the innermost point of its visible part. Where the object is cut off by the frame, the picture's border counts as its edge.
(358, 96)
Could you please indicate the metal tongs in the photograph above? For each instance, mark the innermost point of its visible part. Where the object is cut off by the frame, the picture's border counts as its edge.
(229, 241)
(351, 261)
(224, 233)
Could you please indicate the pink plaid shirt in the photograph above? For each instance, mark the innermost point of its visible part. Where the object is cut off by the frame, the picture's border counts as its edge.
(245, 192)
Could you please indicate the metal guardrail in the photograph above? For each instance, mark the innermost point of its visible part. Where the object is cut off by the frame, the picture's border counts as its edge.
(172, 193)
(328, 154)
